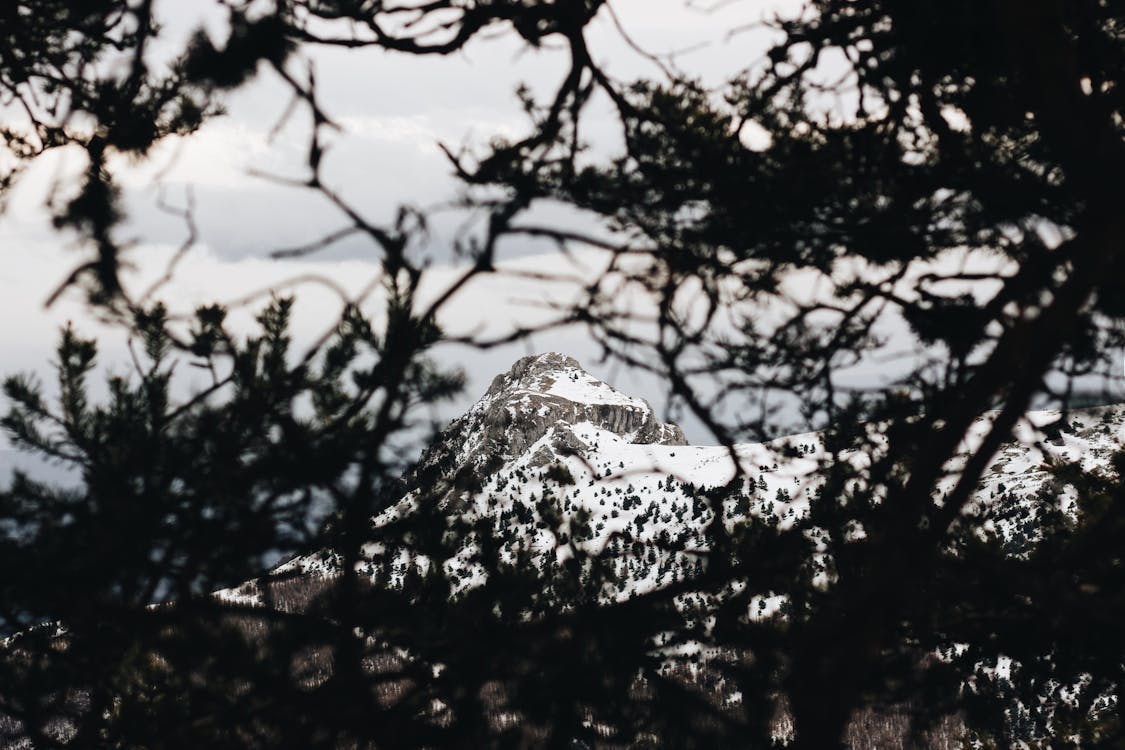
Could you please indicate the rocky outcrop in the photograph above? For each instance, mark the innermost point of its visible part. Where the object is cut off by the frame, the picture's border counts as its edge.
(540, 394)
(531, 390)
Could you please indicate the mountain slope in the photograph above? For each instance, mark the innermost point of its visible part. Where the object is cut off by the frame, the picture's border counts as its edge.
(556, 463)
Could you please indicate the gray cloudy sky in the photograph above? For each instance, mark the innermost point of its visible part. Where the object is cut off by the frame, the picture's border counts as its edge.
(394, 111)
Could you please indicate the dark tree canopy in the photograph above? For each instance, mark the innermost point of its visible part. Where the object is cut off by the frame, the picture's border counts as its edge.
(953, 169)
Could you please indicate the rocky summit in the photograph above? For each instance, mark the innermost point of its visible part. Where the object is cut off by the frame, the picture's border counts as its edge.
(546, 395)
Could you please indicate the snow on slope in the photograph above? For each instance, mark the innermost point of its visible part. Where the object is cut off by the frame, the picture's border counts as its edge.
(1021, 469)
(559, 463)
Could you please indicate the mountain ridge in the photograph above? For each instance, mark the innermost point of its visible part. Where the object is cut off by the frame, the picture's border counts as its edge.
(562, 465)
(541, 393)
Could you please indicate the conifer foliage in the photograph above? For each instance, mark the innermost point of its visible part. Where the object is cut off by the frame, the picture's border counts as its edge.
(951, 168)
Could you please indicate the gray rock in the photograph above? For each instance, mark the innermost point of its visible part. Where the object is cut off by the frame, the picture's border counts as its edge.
(518, 409)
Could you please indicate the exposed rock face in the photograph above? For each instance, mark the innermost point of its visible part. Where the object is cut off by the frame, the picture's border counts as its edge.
(544, 390)
(540, 394)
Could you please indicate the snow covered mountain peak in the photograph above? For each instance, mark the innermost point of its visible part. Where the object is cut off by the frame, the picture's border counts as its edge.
(556, 375)
(551, 393)
(565, 466)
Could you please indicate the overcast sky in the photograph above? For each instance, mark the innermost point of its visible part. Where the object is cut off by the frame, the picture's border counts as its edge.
(394, 110)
